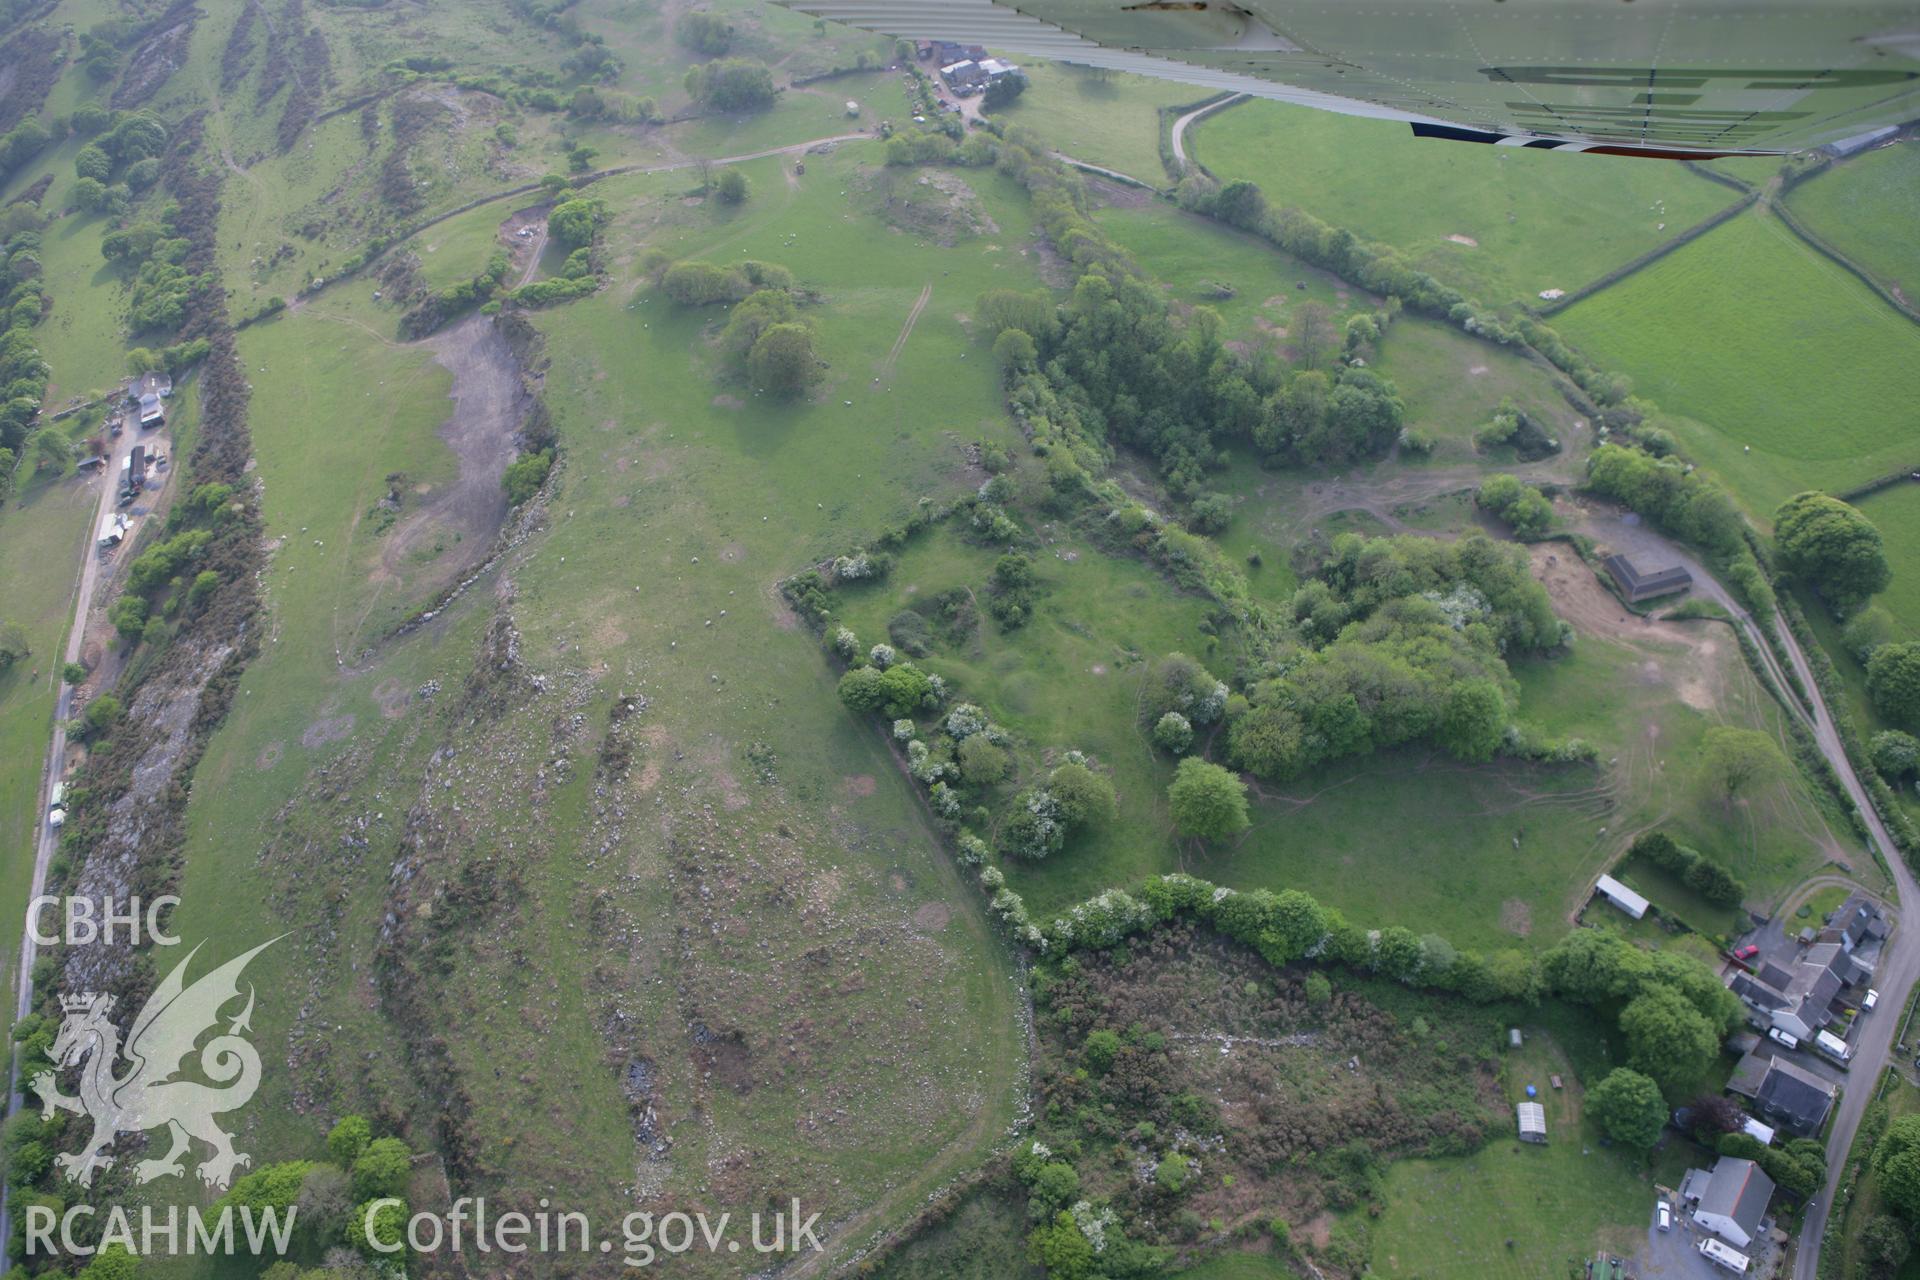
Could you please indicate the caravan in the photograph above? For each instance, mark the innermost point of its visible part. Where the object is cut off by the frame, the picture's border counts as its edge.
(1833, 1047)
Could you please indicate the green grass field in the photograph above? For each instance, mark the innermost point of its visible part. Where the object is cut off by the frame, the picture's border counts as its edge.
(1106, 118)
(1536, 220)
(1531, 1206)
(1866, 207)
(1896, 513)
(1193, 257)
(1762, 343)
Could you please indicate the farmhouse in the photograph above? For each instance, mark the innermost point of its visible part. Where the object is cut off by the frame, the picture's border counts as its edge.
(1791, 1096)
(1621, 896)
(1532, 1118)
(146, 394)
(1731, 1200)
(1638, 584)
(963, 77)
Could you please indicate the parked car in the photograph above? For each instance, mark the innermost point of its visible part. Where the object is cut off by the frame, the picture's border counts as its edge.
(1871, 999)
(1781, 1037)
(1664, 1216)
(57, 804)
(1747, 952)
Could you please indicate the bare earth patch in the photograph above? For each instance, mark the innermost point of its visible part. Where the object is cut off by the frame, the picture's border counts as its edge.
(270, 755)
(932, 916)
(332, 729)
(859, 785)
(1516, 917)
(1468, 241)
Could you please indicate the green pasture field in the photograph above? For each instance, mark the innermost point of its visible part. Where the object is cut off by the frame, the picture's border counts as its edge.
(1761, 342)
(1192, 257)
(1532, 1206)
(1106, 118)
(43, 533)
(677, 502)
(1866, 207)
(1453, 384)
(1895, 512)
(1538, 220)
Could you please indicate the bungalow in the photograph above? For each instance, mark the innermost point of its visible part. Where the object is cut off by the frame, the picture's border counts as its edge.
(1621, 896)
(1730, 1201)
(1637, 584)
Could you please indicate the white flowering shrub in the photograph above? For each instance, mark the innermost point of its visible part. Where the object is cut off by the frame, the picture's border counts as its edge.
(1036, 829)
(965, 720)
(845, 643)
(1103, 921)
(945, 801)
(991, 879)
(1209, 707)
(881, 656)
(936, 690)
(903, 730)
(854, 567)
(973, 850)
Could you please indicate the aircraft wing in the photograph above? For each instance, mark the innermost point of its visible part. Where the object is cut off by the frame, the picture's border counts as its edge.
(1682, 78)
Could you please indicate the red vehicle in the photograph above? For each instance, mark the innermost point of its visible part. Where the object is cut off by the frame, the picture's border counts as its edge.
(1747, 952)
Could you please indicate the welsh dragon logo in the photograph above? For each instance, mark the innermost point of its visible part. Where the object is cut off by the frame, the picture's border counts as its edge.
(151, 1093)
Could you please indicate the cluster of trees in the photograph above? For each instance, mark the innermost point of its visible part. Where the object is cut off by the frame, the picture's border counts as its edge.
(1686, 505)
(589, 103)
(21, 144)
(1408, 637)
(1893, 682)
(1321, 419)
(1013, 590)
(1524, 508)
(1896, 1163)
(128, 144)
(768, 338)
(1672, 1009)
(694, 283)
(23, 302)
(704, 32)
(1701, 874)
(730, 84)
(1832, 548)
(444, 305)
(332, 1200)
(1114, 365)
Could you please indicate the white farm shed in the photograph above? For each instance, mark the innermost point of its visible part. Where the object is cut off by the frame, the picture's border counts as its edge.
(1621, 896)
(1533, 1121)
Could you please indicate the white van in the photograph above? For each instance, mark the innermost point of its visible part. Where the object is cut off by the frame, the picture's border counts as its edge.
(1833, 1046)
(1663, 1214)
(1781, 1037)
(1871, 999)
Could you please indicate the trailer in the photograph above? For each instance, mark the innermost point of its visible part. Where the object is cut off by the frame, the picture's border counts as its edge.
(1833, 1046)
(1723, 1255)
(113, 531)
